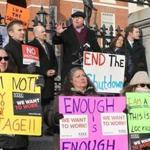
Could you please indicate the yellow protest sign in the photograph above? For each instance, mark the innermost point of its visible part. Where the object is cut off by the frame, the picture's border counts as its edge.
(16, 12)
(20, 109)
(138, 112)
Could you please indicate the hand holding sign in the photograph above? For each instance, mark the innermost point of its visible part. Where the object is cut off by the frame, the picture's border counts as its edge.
(31, 68)
(57, 117)
(40, 81)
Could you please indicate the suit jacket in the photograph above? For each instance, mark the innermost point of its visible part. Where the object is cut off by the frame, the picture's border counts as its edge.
(72, 47)
(15, 49)
(45, 65)
(136, 58)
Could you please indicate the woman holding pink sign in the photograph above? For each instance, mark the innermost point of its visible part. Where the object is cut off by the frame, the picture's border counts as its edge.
(76, 83)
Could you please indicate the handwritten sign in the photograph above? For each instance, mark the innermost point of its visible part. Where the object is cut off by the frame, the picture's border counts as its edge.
(106, 71)
(20, 112)
(139, 114)
(86, 120)
(16, 12)
(30, 54)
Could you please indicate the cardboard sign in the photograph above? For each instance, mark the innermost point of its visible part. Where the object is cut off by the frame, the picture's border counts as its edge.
(16, 12)
(93, 123)
(30, 54)
(106, 71)
(20, 110)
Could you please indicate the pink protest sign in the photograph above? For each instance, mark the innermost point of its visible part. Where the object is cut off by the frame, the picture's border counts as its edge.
(93, 123)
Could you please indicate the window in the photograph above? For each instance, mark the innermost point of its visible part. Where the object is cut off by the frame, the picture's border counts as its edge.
(108, 19)
(76, 9)
(108, 1)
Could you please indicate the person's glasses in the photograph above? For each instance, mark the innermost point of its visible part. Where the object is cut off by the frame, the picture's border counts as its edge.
(6, 58)
(144, 85)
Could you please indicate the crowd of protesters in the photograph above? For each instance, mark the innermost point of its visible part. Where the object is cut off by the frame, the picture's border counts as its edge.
(75, 39)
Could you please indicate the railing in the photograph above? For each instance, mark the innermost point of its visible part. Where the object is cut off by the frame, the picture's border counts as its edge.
(104, 34)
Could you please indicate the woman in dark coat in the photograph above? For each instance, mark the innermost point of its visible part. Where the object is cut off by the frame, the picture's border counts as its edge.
(116, 46)
(140, 83)
(76, 83)
(10, 142)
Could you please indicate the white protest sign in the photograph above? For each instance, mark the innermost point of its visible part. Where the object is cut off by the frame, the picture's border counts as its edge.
(114, 123)
(30, 55)
(106, 71)
(74, 126)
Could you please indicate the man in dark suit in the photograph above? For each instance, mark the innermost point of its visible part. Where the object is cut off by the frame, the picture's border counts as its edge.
(48, 62)
(48, 67)
(135, 51)
(75, 39)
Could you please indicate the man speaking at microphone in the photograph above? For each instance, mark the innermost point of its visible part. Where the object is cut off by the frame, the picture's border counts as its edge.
(74, 38)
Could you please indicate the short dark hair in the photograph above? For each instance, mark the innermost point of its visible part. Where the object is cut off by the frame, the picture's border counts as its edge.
(130, 28)
(12, 23)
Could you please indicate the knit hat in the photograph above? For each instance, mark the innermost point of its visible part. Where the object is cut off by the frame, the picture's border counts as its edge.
(140, 77)
(78, 14)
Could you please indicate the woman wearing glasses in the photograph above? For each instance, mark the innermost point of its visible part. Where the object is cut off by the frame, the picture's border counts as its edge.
(10, 142)
(140, 82)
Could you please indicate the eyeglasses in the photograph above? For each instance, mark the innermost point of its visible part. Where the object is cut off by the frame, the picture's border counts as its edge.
(144, 85)
(6, 58)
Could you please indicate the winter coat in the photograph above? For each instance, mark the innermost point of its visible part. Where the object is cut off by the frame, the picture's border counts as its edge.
(72, 48)
(46, 64)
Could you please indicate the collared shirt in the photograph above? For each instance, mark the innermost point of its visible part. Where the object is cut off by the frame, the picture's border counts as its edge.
(45, 48)
(131, 43)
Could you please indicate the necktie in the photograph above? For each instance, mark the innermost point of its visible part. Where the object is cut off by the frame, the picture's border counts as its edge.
(46, 50)
(132, 44)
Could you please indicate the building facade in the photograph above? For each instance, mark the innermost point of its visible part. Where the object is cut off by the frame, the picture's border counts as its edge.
(109, 12)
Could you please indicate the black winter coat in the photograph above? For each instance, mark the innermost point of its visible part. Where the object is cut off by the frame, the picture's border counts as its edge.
(12, 142)
(51, 112)
(45, 65)
(72, 47)
(15, 49)
(136, 58)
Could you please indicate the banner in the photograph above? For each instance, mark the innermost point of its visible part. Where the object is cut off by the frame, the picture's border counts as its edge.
(138, 105)
(20, 109)
(93, 123)
(17, 12)
(106, 71)
(30, 54)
